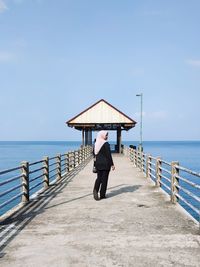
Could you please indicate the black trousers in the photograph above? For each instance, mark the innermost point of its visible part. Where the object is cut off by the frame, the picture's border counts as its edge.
(101, 182)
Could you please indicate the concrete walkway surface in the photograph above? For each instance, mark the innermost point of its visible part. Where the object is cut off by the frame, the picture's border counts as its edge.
(136, 225)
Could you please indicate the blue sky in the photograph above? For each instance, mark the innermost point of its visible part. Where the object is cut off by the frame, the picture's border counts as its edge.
(59, 57)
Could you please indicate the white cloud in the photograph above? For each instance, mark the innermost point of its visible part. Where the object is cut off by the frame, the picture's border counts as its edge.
(193, 62)
(6, 56)
(3, 6)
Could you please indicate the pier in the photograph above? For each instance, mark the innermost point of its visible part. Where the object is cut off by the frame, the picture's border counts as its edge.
(136, 225)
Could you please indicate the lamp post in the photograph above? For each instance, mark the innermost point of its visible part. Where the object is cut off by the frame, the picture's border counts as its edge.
(141, 101)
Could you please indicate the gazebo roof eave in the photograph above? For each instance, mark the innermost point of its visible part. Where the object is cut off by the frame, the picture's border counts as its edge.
(102, 126)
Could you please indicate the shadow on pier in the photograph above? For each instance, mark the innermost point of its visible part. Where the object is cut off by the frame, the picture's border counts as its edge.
(12, 226)
(136, 225)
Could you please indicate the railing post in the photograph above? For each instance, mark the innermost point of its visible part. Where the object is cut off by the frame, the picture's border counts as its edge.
(58, 162)
(158, 171)
(135, 157)
(148, 166)
(81, 154)
(46, 172)
(25, 181)
(174, 181)
(66, 162)
(84, 153)
(74, 159)
(69, 161)
(141, 161)
(131, 154)
(79, 157)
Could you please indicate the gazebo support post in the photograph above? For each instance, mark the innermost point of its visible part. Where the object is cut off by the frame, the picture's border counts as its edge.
(83, 139)
(119, 137)
(86, 137)
(90, 137)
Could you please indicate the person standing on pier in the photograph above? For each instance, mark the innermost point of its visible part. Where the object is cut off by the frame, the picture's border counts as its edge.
(104, 163)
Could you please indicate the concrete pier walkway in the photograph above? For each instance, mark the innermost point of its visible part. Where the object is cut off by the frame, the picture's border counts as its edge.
(135, 226)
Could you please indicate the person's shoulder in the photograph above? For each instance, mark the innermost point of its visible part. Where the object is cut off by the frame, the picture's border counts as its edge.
(106, 144)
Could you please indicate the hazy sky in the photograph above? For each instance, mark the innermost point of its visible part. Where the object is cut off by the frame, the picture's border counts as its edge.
(58, 57)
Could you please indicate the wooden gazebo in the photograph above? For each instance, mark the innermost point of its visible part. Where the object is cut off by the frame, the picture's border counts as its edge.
(101, 116)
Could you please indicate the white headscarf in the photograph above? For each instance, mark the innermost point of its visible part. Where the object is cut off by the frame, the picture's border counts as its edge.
(100, 140)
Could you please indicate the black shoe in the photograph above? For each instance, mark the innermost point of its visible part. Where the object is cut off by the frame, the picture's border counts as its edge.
(95, 194)
(102, 197)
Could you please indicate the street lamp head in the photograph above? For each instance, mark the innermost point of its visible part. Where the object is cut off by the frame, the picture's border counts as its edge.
(138, 94)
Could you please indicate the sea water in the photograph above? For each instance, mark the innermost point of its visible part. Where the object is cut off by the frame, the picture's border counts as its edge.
(187, 153)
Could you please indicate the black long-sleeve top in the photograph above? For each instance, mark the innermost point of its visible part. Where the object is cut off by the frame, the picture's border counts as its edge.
(104, 159)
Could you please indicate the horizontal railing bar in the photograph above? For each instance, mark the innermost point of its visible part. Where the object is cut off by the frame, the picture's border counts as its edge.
(187, 170)
(153, 175)
(188, 182)
(35, 178)
(53, 170)
(154, 158)
(10, 190)
(63, 162)
(10, 170)
(10, 200)
(63, 155)
(166, 178)
(53, 158)
(165, 170)
(52, 164)
(152, 169)
(36, 170)
(36, 162)
(166, 162)
(185, 201)
(188, 193)
(10, 180)
(166, 186)
(36, 185)
(53, 176)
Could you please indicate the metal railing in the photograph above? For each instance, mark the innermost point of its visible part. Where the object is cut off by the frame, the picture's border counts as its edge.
(19, 184)
(182, 184)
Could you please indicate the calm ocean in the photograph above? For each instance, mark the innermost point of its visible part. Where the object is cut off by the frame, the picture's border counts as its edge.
(13, 152)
